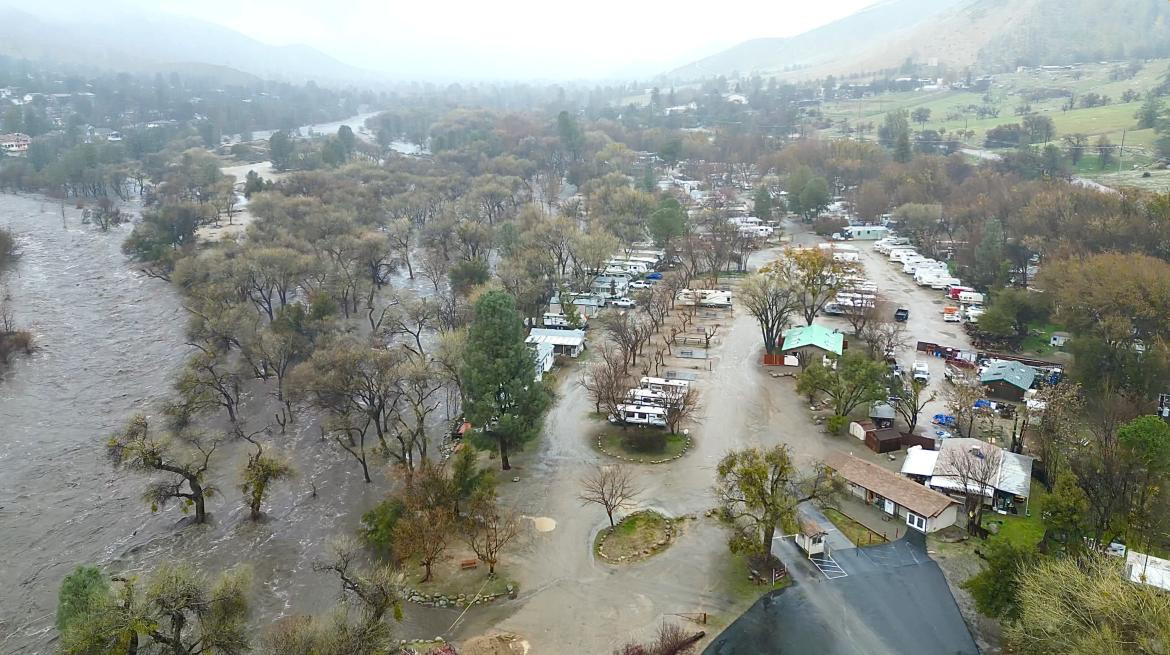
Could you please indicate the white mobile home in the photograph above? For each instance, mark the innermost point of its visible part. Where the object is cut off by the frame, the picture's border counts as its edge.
(544, 357)
(866, 232)
(564, 342)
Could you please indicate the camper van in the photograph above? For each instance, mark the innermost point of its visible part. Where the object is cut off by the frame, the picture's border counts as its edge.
(639, 415)
(952, 315)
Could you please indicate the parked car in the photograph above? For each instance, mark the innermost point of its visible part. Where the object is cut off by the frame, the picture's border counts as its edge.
(921, 372)
(902, 315)
(622, 302)
(641, 284)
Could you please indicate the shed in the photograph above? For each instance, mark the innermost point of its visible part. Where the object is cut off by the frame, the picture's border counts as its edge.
(883, 440)
(564, 342)
(1007, 379)
(919, 463)
(859, 428)
(811, 537)
(923, 509)
(882, 414)
(1059, 339)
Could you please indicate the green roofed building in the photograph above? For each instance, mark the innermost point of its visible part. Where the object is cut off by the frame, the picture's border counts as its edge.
(1007, 379)
(813, 341)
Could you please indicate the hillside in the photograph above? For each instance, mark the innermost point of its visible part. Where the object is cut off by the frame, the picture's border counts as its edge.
(824, 45)
(153, 42)
(991, 35)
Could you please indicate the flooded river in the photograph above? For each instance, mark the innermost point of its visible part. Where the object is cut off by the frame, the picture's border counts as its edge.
(111, 342)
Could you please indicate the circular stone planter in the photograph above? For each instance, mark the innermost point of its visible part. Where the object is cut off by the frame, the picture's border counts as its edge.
(613, 556)
(688, 444)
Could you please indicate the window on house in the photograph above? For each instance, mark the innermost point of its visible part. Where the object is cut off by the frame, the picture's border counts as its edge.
(915, 521)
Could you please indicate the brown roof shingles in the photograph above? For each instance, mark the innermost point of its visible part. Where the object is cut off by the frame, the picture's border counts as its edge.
(903, 491)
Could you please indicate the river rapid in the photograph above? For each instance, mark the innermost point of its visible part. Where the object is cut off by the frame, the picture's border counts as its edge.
(110, 344)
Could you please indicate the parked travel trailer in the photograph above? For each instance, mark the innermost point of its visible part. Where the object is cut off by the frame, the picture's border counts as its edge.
(954, 290)
(971, 298)
(639, 415)
(884, 246)
(560, 321)
(901, 254)
(664, 385)
(945, 282)
(647, 397)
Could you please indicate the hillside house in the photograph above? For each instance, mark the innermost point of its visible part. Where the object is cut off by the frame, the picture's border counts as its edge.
(15, 144)
(923, 509)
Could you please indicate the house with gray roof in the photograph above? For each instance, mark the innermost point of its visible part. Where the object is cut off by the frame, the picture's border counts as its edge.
(1007, 379)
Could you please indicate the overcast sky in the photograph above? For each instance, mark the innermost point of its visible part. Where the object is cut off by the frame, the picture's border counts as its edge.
(515, 39)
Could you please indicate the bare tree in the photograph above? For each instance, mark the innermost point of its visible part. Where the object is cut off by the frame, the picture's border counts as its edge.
(883, 336)
(859, 317)
(488, 529)
(961, 397)
(975, 467)
(625, 332)
(606, 380)
(769, 297)
(912, 399)
(818, 277)
(681, 406)
(611, 486)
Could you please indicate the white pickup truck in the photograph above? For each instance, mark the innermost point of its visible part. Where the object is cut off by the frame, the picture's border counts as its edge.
(920, 372)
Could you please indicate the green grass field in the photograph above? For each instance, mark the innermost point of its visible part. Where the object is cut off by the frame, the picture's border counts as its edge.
(948, 107)
(1025, 531)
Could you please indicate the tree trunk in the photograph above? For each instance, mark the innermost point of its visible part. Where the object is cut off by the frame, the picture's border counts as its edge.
(609, 512)
(365, 467)
(200, 507)
(769, 532)
(504, 463)
(427, 576)
(255, 505)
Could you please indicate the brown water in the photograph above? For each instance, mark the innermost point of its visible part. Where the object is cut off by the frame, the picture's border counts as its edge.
(111, 341)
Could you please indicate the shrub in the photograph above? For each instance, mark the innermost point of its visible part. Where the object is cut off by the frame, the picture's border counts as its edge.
(837, 423)
(645, 441)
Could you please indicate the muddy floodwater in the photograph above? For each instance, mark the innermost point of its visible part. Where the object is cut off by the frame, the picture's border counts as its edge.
(111, 342)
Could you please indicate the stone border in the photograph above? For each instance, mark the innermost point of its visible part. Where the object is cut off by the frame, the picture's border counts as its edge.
(687, 445)
(671, 530)
(459, 600)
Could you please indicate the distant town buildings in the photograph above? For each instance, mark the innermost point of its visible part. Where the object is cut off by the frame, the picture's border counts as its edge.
(15, 144)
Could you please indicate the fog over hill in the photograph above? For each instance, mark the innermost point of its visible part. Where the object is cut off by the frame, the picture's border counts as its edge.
(990, 35)
(127, 38)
